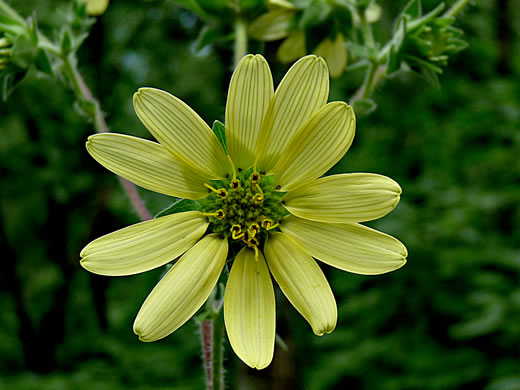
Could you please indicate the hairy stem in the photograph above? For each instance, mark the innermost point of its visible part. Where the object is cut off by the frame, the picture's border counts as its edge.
(84, 94)
(212, 340)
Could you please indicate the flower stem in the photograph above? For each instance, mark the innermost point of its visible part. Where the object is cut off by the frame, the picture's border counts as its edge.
(240, 40)
(456, 8)
(84, 94)
(212, 339)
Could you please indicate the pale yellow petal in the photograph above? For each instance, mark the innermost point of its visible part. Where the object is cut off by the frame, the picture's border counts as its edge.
(146, 164)
(344, 198)
(349, 247)
(302, 92)
(96, 7)
(144, 246)
(292, 48)
(315, 149)
(250, 92)
(334, 53)
(183, 290)
(302, 282)
(249, 309)
(181, 131)
(272, 25)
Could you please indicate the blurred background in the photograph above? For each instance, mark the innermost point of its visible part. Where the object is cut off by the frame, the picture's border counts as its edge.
(449, 319)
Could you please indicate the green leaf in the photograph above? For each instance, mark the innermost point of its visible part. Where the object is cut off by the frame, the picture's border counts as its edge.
(179, 206)
(413, 9)
(24, 52)
(209, 35)
(42, 63)
(315, 14)
(10, 80)
(220, 131)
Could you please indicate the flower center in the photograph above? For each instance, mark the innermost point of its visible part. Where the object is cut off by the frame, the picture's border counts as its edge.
(243, 208)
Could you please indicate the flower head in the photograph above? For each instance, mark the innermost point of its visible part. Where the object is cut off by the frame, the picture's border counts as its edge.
(261, 198)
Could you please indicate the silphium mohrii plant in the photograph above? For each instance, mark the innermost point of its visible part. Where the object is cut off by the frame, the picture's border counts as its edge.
(257, 204)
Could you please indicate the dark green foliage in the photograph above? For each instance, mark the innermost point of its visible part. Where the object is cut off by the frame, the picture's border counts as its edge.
(449, 319)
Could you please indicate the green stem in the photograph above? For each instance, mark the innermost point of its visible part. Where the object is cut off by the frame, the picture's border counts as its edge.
(84, 94)
(456, 8)
(240, 40)
(367, 30)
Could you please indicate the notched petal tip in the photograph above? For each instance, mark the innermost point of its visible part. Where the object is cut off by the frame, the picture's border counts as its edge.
(322, 332)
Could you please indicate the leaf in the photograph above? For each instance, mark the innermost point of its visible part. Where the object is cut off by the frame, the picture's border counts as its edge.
(413, 9)
(179, 206)
(42, 63)
(209, 35)
(220, 131)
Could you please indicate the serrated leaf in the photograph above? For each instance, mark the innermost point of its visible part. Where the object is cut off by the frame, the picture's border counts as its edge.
(179, 206)
(220, 131)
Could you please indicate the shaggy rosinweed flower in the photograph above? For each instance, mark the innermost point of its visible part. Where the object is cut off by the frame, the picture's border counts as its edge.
(262, 200)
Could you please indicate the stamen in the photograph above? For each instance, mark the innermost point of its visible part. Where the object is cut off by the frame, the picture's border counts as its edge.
(268, 223)
(252, 230)
(254, 178)
(222, 192)
(235, 184)
(219, 214)
(258, 198)
(253, 243)
(236, 232)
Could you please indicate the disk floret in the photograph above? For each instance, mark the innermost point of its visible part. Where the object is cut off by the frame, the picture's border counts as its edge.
(244, 208)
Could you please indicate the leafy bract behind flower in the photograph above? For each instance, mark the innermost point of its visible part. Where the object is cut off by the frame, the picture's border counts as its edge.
(254, 201)
(311, 27)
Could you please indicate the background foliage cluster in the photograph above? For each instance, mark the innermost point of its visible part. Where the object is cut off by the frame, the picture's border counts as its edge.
(450, 319)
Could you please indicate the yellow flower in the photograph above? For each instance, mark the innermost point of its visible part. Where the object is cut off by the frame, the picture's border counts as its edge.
(96, 7)
(264, 199)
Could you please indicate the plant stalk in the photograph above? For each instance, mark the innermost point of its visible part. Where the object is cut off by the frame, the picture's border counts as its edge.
(240, 40)
(83, 93)
(212, 340)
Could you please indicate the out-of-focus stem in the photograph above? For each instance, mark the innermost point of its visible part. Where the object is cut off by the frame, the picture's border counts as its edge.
(240, 40)
(83, 92)
(456, 8)
(212, 340)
